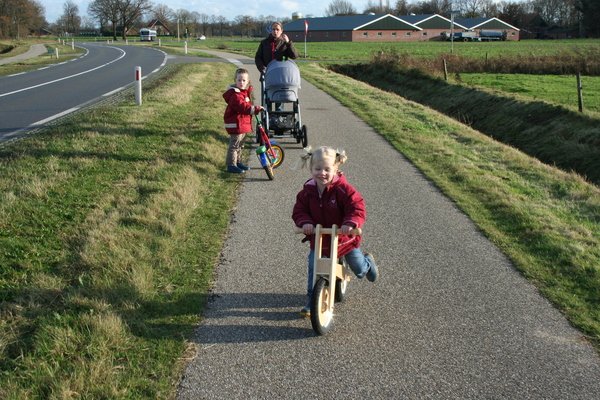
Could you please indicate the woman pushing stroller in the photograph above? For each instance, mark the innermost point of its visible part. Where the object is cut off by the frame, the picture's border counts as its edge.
(276, 46)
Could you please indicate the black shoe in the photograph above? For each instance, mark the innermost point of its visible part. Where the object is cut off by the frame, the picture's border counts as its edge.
(242, 166)
(235, 170)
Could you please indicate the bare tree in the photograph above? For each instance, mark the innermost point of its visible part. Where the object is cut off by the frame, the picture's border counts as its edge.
(442, 7)
(469, 8)
(340, 7)
(70, 21)
(163, 13)
(490, 9)
(222, 21)
(132, 10)
(106, 11)
(378, 7)
(402, 7)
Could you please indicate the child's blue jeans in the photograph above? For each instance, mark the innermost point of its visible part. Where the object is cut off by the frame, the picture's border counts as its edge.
(356, 260)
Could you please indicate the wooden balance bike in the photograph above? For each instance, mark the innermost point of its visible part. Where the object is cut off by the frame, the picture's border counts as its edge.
(327, 270)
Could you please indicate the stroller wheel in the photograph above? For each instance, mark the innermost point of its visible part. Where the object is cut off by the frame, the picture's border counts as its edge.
(304, 136)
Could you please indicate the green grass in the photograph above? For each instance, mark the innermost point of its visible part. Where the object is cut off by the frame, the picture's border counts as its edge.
(547, 221)
(359, 51)
(551, 133)
(557, 89)
(110, 226)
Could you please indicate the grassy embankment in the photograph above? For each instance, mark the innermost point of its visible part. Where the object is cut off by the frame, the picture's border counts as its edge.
(110, 225)
(552, 133)
(546, 220)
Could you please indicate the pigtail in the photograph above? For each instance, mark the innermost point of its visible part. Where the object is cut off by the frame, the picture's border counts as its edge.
(340, 156)
(304, 159)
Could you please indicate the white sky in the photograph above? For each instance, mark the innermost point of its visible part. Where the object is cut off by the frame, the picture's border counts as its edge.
(226, 8)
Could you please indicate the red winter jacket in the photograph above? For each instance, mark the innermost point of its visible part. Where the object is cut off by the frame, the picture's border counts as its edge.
(340, 204)
(239, 111)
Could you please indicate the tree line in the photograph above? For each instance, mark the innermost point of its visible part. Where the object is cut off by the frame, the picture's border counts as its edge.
(117, 18)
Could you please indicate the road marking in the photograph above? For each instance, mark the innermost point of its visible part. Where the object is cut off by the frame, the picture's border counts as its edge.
(55, 116)
(114, 91)
(70, 76)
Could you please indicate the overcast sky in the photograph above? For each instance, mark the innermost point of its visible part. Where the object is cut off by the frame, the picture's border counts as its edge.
(228, 9)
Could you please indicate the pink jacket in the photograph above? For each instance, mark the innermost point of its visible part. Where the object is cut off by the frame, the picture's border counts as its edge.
(239, 111)
(340, 204)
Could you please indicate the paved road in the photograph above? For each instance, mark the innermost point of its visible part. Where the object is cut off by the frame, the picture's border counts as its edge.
(33, 99)
(450, 317)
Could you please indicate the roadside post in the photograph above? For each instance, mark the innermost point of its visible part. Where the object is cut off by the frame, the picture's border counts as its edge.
(138, 86)
(72, 44)
(185, 47)
(579, 92)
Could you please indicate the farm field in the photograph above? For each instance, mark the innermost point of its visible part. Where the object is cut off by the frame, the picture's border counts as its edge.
(354, 51)
(557, 89)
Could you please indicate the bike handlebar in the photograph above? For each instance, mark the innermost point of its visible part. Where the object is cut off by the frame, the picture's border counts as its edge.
(329, 231)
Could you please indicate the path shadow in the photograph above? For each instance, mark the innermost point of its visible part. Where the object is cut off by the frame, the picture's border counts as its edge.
(253, 317)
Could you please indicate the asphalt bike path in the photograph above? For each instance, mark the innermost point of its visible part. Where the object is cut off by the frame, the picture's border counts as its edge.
(449, 317)
(34, 51)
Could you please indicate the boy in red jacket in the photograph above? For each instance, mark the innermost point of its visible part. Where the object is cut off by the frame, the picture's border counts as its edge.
(238, 118)
(327, 199)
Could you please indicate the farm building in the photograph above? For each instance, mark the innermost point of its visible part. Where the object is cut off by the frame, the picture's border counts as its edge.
(388, 27)
(489, 24)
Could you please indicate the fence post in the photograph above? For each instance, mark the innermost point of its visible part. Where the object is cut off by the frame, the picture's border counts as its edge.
(579, 92)
(445, 70)
(185, 45)
(138, 86)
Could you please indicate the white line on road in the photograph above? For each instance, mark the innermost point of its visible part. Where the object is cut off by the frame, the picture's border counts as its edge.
(70, 76)
(55, 116)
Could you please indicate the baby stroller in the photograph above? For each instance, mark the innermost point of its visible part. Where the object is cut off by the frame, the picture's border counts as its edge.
(279, 85)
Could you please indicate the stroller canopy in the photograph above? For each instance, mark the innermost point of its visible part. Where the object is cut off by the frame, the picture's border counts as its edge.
(282, 75)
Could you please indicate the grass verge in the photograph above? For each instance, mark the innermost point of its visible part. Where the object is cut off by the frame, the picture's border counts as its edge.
(546, 220)
(110, 225)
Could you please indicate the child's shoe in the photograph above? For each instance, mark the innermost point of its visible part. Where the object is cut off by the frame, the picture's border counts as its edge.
(373, 272)
(242, 166)
(234, 169)
(305, 312)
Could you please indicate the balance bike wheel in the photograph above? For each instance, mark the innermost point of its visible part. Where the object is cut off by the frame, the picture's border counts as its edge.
(269, 171)
(279, 155)
(320, 318)
(340, 289)
(341, 285)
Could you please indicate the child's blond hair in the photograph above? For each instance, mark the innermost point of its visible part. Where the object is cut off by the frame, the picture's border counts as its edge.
(324, 152)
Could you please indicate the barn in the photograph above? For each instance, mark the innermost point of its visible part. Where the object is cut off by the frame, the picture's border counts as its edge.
(488, 24)
(388, 28)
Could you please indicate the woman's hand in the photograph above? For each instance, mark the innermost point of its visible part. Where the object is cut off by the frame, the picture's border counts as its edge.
(285, 38)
